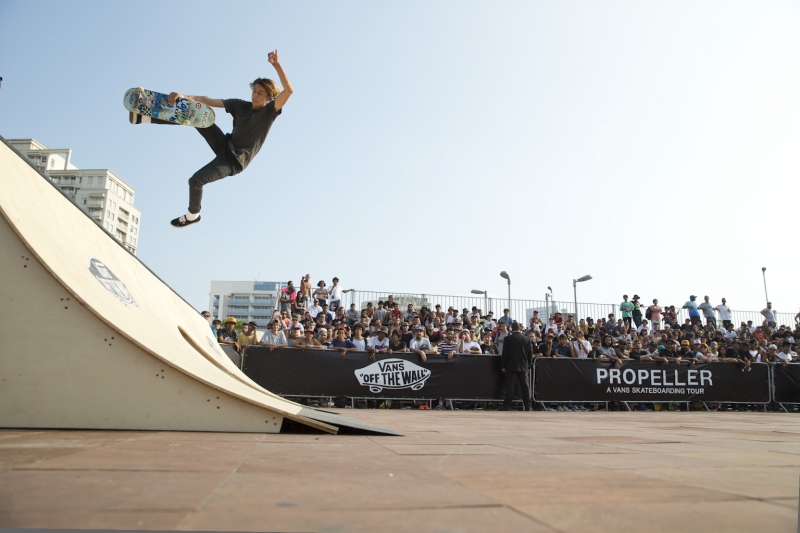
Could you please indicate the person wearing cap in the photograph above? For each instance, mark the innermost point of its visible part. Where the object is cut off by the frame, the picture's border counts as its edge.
(307, 340)
(694, 314)
(421, 345)
(215, 325)
(515, 362)
(341, 343)
(467, 345)
(379, 343)
(228, 334)
(274, 337)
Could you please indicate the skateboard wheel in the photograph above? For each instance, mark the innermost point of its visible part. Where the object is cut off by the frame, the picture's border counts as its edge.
(185, 122)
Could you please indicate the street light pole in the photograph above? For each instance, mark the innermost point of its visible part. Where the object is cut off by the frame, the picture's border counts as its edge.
(485, 299)
(764, 275)
(505, 276)
(575, 291)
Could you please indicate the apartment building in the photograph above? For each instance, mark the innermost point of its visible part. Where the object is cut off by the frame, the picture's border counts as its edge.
(103, 195)
(244, 300)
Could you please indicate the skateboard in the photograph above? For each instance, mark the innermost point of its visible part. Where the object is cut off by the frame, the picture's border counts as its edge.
(153, 107)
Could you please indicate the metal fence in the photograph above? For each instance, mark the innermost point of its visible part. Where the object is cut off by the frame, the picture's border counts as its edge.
(522, 310)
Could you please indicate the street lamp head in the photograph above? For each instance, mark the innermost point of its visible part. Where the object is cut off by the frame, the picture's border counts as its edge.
(505, 275)
(476, 291)
(549, 288)
(584, 278)
(763, 269)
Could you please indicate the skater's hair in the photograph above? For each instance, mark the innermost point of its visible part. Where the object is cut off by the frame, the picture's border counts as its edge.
(268, 85)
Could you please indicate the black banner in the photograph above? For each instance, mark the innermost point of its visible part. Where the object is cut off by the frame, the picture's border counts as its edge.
(787, 383)
(303, 372)
(587, 380)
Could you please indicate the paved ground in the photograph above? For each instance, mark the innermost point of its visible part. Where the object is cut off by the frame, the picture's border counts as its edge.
(452, 471)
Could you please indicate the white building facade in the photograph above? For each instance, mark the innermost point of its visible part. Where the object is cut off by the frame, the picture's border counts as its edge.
(244, 300)
(99, 192)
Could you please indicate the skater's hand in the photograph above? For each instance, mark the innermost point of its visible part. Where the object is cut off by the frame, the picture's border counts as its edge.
(172, 97)
(272, 57)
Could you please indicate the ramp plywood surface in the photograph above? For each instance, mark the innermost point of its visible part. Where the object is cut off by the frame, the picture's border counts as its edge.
(61, 269)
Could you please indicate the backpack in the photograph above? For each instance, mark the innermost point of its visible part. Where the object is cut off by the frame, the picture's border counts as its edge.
(649, 313)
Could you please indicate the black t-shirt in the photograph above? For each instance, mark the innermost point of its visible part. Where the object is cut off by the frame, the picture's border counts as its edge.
(668, 353)
(399, 347)
(637, 354)
(250, 128)
(223, 335)
(407, 338)
(489, 349)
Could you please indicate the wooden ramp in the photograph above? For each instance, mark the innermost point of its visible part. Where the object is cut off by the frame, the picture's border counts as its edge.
(94, 340)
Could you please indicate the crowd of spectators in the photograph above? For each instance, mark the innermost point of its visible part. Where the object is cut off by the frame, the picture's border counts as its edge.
(317, 320)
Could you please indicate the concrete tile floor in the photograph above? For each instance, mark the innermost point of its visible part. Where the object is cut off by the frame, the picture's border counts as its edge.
(451, 471)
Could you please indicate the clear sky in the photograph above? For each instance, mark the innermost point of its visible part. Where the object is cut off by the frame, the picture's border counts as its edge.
(430, 145)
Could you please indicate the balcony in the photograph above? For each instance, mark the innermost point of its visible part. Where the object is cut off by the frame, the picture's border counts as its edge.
(95, 203)
(123, 216)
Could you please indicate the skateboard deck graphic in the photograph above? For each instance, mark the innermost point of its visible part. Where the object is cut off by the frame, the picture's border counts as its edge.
(150, 106)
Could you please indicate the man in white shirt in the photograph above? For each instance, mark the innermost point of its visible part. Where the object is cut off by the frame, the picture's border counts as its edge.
(335, 293)
(786, 354)
(315, 309)
(420, 345)
(409, 312)
(580, 346)
(724, 313)
(378, 343)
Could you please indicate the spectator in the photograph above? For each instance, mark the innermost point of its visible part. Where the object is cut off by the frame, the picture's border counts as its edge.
(215, 325)
(352, 315)
(626, 310)
(636, 314)
(607, 350)
(487, 346)
(420, 345)
(381, 313)
(293, 334)
(396, 313)
(228, 335)
(314, 309)
(409, 312)
(321, 293)
(287, 298)
(691, 305)
(467, 345)
(247, 337)
(581, 348)
(769, 315)
(307, 341)
(274, 337)
(379, 343)
(563, 348)
(708, 311)
(286, 319)
(295, 324)
(396, 344)
(358, 337)
(449, 345)
(336, 293)
(654, 314)
(305, 288)
(786, 355)
(405, 334)
(536, 322)
(299, 305)
(515, 363)
(342, 344)
(670, 316)
(502, 333)
(506, 318)
(322, 337)
(724, 314)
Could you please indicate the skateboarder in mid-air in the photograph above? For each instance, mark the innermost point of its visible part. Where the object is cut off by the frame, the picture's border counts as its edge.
(234, 151)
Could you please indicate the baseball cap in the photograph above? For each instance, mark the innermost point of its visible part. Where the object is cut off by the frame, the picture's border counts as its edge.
(416, 328)
(696, 341)
(684, 343)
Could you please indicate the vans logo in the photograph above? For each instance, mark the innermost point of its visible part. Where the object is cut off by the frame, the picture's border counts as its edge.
(392, 374)
(111, 282)
(214, 345)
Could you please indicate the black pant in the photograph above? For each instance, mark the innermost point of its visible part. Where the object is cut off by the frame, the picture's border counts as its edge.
(523, 378)
(220, 167)
(637, 318)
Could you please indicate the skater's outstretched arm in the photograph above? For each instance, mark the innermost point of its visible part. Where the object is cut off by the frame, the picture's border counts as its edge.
(213, 102)
(284, 95)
